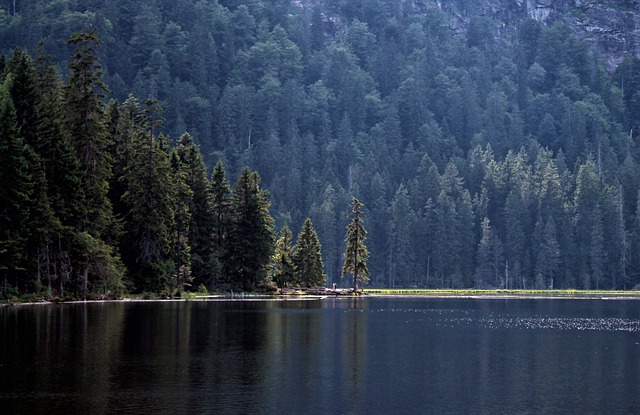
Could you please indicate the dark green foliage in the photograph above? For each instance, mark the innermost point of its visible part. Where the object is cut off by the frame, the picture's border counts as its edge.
(433, 130)
(283, 265)
(191, 172)
(249, 244)
(84, 119)
(220, 191)
(356, 252)
(150, 200)
(16, 190)
(307, 257)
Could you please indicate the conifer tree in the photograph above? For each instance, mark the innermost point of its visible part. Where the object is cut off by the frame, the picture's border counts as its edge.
(401, 255)
(181, 248)
(201, 242)
(42, 223)
(283, 265)
(356, 252)
(249, 245)
(307, 257)
(16, 187)
(85, 122)
(485, 271)
(150, 200)
(23, 93)
(220, 191)
(61, 164)
(547, 254)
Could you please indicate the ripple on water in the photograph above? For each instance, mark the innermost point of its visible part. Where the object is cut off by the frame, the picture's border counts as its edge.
(454, 317)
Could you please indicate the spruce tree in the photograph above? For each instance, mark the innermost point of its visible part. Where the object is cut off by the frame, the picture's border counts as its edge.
(85, 121)
(23, 93)
(547, 254)
(54, 146)
(484, 270)
(283, 266)
(249, 245)
(201, 240)
(356, 252)
(220, 191)
(182, 209)
(16, 188)
(307, 257)
(150, 200)
(42, 224)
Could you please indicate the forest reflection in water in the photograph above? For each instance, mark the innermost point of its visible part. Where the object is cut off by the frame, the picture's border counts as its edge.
(371, 355)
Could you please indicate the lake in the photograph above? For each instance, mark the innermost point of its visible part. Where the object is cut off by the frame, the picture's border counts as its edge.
(339, 356)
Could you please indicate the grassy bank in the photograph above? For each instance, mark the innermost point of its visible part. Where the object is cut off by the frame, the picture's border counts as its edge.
(503, 293)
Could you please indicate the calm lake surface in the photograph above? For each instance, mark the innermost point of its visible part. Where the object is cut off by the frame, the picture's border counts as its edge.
(339, 356)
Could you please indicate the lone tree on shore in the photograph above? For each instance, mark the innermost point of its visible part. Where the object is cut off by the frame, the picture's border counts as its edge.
(356, 252)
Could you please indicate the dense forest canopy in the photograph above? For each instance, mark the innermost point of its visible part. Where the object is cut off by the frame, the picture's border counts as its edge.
(482, 160)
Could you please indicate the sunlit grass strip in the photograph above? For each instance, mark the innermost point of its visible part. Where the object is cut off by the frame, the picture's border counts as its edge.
(502, 293)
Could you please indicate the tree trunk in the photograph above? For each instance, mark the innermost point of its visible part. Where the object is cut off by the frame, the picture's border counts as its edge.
(85, 282)
(48, 274)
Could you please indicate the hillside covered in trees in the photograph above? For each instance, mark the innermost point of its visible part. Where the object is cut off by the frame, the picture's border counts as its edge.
(483, 159)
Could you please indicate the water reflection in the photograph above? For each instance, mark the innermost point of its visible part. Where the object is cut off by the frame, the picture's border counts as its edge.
(336, 355)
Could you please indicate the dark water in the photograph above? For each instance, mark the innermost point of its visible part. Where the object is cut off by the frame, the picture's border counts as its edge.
(373, 355)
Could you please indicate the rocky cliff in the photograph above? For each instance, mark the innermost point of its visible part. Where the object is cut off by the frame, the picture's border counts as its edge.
(612, 27)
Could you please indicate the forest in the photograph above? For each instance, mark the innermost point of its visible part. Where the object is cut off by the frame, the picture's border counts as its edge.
(482, 159)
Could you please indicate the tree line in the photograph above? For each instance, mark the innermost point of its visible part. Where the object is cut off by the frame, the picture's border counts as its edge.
(483, 157)
(97, 201)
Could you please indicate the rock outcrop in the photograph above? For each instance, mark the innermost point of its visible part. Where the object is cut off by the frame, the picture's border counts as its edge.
(611, 27)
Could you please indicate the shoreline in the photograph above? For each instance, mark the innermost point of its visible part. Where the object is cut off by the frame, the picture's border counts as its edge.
(372, 293)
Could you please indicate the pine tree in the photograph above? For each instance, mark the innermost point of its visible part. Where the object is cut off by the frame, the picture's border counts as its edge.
(56, 174)
(201, 240)
(249, 245)
(484, 271)
(324, 216)
(85, 122)
(61, 164)
(587, 222)
(220, 210)
(547, 254)
(150, 200)
(16, 188)
(356, 252)
(42, 224)
(401, 255)
(23, 93)
(308, 257)
(283, 266)
(86, 125)
(181, 248)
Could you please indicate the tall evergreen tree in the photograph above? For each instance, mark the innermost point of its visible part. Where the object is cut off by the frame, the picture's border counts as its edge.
(401, 257)
(547, 254)
(86, 125)
(181, 247)
(85, 121)
(356, 252)
(201, 241)
(150, 200)
(307, 257)
(249, 244)
(23, 92)
(220, 210)
(42, 224)
(16, 188)
(283, 266)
